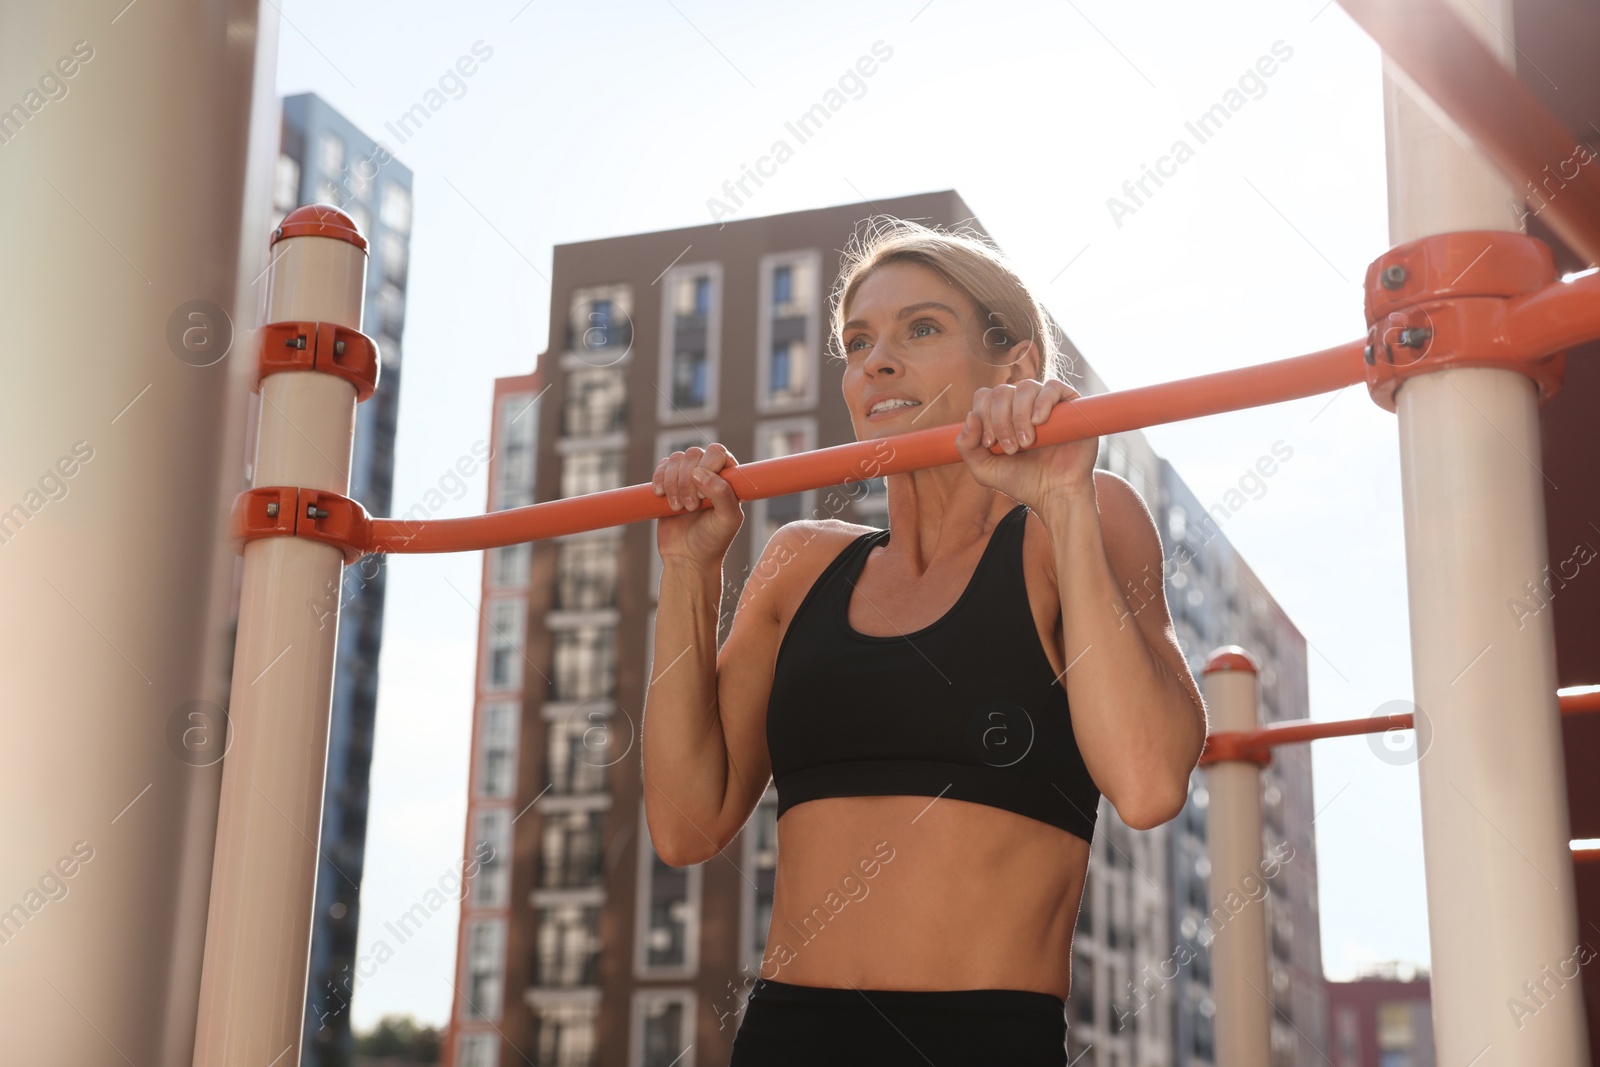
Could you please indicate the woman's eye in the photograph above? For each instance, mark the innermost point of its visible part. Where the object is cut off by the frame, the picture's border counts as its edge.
(855, 344)
(916, 330)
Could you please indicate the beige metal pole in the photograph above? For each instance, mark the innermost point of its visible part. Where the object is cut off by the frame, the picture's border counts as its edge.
(1502, 918)
(136, 155)
(252, 993)
(1240, 983)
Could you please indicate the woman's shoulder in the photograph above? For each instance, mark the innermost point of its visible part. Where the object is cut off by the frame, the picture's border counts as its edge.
(795, 557)
(806, 540)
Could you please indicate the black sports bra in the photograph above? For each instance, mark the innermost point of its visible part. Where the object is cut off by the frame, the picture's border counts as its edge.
(967, 707)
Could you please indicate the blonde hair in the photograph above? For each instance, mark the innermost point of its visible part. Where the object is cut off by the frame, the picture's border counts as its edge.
(968, 261)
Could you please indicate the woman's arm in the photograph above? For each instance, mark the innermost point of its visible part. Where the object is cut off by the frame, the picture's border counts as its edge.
(704, 744)
(1137, 712)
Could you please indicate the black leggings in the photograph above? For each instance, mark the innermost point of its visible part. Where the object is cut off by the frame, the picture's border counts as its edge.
(788, 1025)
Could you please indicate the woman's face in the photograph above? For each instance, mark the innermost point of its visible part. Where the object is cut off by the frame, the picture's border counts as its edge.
(910, 335)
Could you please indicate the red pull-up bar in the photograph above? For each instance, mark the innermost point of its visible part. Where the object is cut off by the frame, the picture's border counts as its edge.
(1256, 745)
(1089, 416)
(1533, 325)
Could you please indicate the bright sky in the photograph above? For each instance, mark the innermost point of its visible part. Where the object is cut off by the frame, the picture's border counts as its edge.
(610, 118)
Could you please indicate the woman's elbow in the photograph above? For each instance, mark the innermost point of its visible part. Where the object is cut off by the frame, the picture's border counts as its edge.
(679, 857)
(1150, 808)
(673, 849)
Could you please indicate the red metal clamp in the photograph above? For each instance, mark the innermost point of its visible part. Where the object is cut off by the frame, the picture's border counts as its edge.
(1441, 302)
(1229, 746)
(315, 514)
(319, 346)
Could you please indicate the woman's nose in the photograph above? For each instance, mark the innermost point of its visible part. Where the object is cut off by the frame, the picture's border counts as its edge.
(880, 360)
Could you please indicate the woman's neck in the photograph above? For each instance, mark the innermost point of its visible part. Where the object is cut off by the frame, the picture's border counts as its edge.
(938, 513)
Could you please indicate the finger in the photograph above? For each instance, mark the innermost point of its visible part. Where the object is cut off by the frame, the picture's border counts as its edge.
(969, 442)
(715, 488)
(717, 456)
(980, 408)
(1055, 392)
(978, 457)
(1023, 400)
(669, 479)
(970, 439)
(1000, 423)
(1047, 399)
(687, 493)
(708, 464)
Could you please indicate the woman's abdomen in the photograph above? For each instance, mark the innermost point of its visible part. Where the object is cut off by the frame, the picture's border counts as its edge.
(918, 893)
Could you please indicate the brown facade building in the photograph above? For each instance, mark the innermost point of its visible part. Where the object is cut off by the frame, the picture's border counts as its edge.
(578, 945)
(1382, 1019)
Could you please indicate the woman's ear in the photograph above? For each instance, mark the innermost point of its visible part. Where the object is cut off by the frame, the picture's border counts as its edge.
(1024, 361)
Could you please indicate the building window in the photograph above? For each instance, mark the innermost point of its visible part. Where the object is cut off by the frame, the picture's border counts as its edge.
(395, 209)
(491, 887)
(600, 324)
(508, 566)
(789, 331)
(1395, 1036)
(781, 437)
(1082, 991)
(1205, 1026)
(357, 213)
(585, 663)
(497, 767)
(486, 948)
(1349, 1035)
(570, 853)
(872, 500)
(361, 175)
(596, 402)
(761, 869)
(691, 342)
(504, 667)
(478, 1050)
(286, 185)
(330, 155)
(518, 426)
(663, 1029)
(586, 573)
(391, 310)
(668, 922)
(1086, 909)
(569, 945)
(578, 752)
(392, 254)
(566, 1035)
(1117, 933)
(590, 471)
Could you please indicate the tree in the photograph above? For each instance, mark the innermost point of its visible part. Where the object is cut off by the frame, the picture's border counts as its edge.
(401, 1037)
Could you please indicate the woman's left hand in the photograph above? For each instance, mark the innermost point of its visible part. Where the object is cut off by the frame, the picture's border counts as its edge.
(1011, 414)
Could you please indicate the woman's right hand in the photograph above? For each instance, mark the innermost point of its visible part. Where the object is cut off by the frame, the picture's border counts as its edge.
(698, 535)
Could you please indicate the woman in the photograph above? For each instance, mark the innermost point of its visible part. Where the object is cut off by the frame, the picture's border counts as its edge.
(940, 704)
